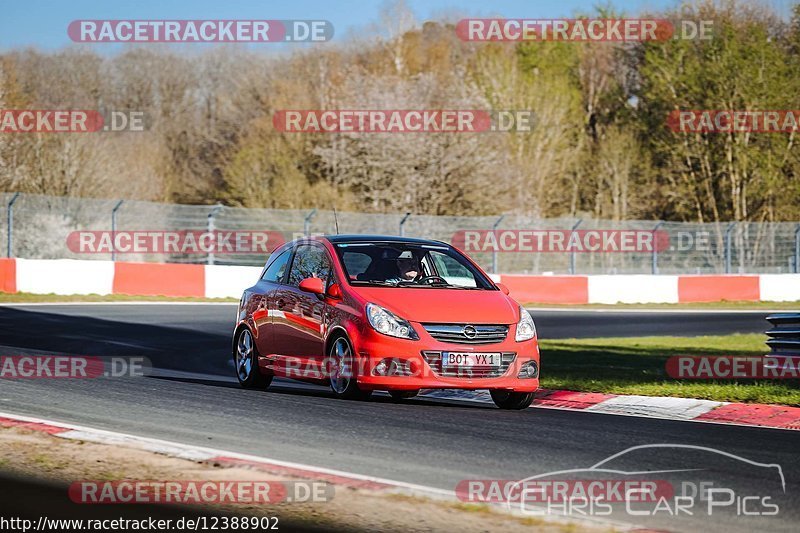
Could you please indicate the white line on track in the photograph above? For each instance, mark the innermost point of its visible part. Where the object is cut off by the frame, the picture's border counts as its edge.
(158, 445)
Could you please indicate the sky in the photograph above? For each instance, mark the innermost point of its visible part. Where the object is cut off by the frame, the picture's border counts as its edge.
(43, 24)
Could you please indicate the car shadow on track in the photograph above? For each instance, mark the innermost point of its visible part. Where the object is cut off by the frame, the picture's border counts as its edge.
(319, 391)
(166, 347)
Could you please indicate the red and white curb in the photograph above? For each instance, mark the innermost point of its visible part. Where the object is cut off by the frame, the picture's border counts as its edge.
(686, 409)
(226, 458)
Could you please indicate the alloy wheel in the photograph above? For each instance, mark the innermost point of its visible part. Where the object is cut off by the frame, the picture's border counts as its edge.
(244, 355)
(342, 366)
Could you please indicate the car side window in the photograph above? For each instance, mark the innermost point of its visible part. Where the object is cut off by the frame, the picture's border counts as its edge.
(275, 270)
(356, 263)
(309, 262)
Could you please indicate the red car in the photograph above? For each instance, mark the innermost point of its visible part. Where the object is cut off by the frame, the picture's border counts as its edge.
(365, 313)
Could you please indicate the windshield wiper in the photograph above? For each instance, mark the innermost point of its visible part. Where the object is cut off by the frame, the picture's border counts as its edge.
(372, 282)
(396, 283)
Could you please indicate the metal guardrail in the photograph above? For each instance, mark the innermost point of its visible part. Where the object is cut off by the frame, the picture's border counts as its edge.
(784, 337)
(37, 226)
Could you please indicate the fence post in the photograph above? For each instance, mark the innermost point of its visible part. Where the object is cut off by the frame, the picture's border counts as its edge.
(728, 252)
(402, 225)
(210, 227)
(114, 230)
(494, 252)
(10, 223)
(572, 258)
(655, 248)
(307, 222)
(797, 250)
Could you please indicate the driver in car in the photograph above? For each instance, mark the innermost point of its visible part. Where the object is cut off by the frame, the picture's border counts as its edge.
(408, 267)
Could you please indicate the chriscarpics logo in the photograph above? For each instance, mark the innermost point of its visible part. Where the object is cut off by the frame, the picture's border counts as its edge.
(647, 484)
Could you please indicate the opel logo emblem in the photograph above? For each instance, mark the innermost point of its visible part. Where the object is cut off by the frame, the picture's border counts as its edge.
(470, 332)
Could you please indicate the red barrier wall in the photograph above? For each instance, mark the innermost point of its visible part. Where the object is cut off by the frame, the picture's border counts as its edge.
(8, 275)
(717, 288)
(159, 279)
(548, 289)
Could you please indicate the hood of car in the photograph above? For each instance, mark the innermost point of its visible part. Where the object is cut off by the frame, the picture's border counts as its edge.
(444, 305)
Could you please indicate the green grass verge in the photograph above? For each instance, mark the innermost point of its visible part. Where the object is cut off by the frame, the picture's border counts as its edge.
(26, 297)
(722, 305)
(637, 366)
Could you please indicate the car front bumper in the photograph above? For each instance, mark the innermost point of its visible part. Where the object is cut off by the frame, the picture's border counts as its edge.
(417, 361)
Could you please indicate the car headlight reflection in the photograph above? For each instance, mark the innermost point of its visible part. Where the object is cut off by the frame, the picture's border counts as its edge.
(526, 329)
(383, 321)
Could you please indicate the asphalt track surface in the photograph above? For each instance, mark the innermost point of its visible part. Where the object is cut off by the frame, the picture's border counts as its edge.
(423, 441)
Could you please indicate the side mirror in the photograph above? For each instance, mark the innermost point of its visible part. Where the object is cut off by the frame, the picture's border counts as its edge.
(312, 285)
(335, 292)
(502, 288)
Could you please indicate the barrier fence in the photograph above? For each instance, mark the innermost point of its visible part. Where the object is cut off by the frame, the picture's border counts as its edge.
(42, 227)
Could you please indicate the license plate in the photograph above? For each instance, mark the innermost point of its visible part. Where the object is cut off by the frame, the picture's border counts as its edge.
(469, 359)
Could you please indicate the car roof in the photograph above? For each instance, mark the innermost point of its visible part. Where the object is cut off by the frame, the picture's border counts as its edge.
(336, 239)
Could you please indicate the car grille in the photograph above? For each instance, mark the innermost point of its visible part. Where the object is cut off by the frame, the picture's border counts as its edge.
(467, 333)
(434, 360)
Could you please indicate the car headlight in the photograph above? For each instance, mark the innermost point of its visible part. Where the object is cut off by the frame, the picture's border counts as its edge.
(383, 321)
(526, 329)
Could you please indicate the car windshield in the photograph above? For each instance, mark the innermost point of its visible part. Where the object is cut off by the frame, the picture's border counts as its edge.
(399, 264)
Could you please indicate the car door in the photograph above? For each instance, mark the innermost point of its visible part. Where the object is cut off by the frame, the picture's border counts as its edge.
(263, 300)
(299, 316)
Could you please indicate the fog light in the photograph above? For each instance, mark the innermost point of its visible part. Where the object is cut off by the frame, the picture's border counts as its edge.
(392, 367)
(528, 370)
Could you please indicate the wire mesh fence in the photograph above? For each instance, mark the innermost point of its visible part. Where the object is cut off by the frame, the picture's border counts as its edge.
(41, 227)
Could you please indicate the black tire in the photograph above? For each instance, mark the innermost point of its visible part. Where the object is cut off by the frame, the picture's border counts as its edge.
(512, 400)
(245, 362)
(400, 395)
(342, 379)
